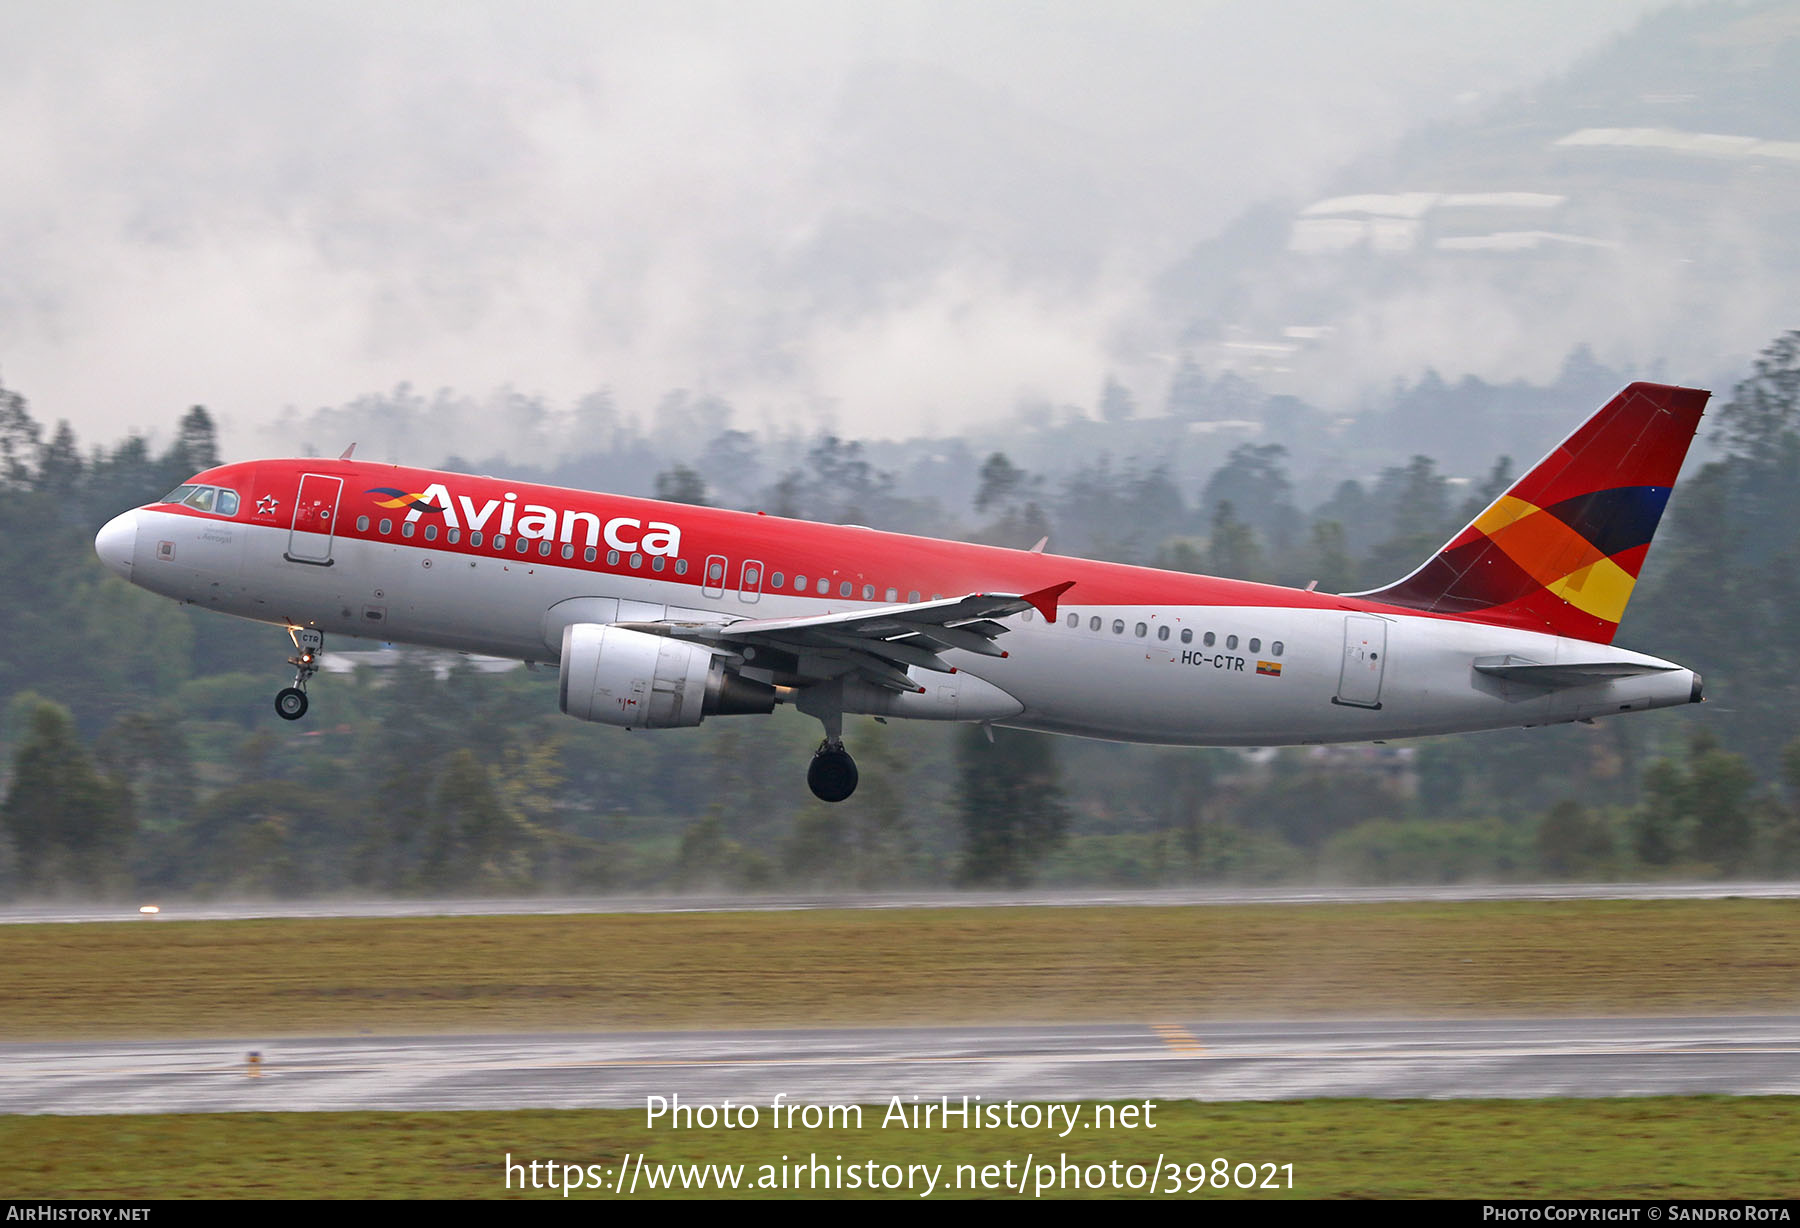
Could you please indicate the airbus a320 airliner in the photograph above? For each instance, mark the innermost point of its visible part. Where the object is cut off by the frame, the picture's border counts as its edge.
(660, 614)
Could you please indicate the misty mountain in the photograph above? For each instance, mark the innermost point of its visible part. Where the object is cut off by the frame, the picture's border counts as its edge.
(1643, 204)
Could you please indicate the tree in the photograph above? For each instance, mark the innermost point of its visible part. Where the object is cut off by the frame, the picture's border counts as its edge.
(1012, 805)
(19, 435)
(1001, 480)
(1571, 841)
(196, 445)
(68, 823)
(1331, 563)
(681, 485)
(1761, 422)
(1719, 786)
(60, 469)
(1658, 828)
(1233, 550)
(1254, 481)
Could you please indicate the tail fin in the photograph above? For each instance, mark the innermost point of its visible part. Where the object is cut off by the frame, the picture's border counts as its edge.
(1561, 550)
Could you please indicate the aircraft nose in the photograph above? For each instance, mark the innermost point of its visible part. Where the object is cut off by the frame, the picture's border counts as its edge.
(116, 543)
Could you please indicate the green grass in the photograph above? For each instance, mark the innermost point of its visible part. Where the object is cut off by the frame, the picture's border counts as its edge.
(823, 968)
(170, 978)
(1663, 1147)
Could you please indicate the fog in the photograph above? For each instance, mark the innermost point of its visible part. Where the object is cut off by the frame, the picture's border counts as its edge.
(880, 217)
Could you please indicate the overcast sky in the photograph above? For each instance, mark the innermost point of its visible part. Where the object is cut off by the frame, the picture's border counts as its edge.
(846, 211)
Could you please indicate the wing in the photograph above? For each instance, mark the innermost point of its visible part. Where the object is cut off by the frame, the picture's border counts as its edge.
(878, 643)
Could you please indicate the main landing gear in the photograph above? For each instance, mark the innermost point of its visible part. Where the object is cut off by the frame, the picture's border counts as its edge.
(309, 643)
(832, 773)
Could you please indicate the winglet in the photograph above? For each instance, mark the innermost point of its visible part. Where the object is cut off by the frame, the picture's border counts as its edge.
(1045, 599)
(348, 452)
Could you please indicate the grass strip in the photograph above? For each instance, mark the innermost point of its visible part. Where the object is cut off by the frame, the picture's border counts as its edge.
(895, 967)
(1656, 1147)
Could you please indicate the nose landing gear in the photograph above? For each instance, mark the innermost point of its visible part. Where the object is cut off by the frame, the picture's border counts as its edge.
(309, 643)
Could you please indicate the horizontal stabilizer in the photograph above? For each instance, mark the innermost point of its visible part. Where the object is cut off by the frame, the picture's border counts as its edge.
(1511, 668)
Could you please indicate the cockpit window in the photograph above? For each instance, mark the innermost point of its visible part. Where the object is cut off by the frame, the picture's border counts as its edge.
(214, 499)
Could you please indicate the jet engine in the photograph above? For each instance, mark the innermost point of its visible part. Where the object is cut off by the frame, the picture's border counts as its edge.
(638, 681)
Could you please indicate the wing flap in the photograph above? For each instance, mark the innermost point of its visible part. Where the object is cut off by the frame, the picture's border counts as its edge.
(878, 642)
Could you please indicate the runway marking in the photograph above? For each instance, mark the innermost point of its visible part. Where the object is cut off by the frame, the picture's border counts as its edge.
(1176, 1040)
(1179, 1039)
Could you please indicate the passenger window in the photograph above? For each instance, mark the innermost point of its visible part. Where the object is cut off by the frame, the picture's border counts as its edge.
(751, 575)
(1074, 620)
(1275, 648)
(568, 550)
(799, 584)
(1208, 639)
(544, 549)
(1094, 623)
(455, 535)
(386, 526)
(1231, 642)
(406, 529)
(499, 541)
(430, 532)
(775, 578)
(522, 545)
(1162, 632)
(658, 563)
(1118, 626)
(1026, 615)
(637, 561)
(228, 503)
(474, 537)
(362, 524)
(1142, 631)
(681, 567)
(912, 598)
(1255, 645)
(1187, 635)
(824, 587)
(590, 554)
(612, 558)
(868, 592)
(893, 595)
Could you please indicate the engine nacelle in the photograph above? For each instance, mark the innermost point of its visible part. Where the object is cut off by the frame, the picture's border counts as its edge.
(637, 681)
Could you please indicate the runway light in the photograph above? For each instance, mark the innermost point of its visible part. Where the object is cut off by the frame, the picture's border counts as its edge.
(149, 910)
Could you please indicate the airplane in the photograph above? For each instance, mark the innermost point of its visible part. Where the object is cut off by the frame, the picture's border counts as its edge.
(658, 615)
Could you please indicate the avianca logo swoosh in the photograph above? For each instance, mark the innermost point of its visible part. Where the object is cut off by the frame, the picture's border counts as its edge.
(399, 498)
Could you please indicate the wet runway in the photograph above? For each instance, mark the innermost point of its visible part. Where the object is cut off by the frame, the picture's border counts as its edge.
(1163, 1060)
(234, 910)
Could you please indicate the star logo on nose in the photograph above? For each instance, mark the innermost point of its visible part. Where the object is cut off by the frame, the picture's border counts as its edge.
(266, 505)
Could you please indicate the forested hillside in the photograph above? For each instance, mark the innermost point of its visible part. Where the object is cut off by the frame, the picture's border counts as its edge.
(139, 751)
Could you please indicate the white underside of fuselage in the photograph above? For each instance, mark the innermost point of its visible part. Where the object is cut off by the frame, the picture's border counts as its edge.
(1405, 675)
